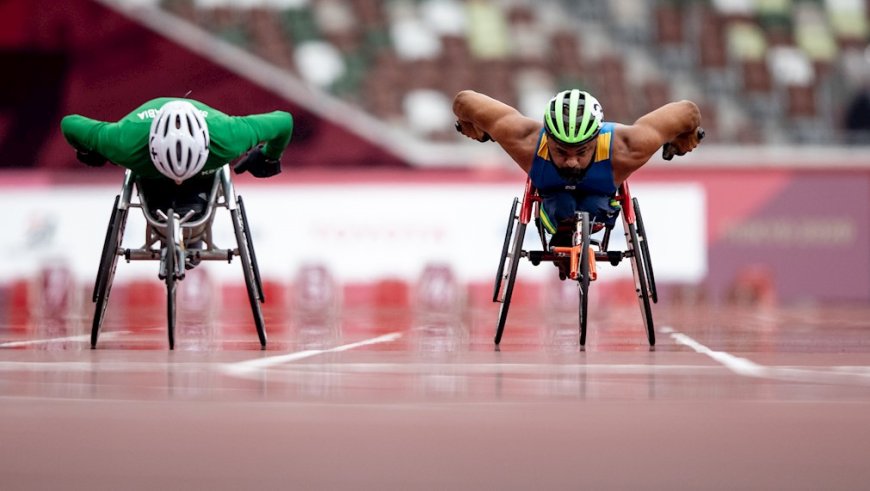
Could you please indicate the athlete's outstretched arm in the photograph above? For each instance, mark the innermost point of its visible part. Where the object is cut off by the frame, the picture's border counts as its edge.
(676, 122)
(81, 132)
(479, 115)
(274, 129)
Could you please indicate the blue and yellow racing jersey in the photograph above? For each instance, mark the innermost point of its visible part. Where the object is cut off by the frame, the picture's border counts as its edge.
(597, 180)
(593, 193)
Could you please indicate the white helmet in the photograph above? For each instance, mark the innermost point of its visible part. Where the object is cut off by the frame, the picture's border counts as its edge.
(178, 142)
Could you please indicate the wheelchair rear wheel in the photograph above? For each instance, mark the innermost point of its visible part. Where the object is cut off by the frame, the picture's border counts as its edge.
(583, 230)
(108, 264)
(251, 281)
(250, 242)
(504, 250)
(508, 270)
(638, 268)
(644, 247)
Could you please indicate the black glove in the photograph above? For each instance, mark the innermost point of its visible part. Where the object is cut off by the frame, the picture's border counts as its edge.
(91, 159)
(485, 138)
(668, 150)
(258, 164)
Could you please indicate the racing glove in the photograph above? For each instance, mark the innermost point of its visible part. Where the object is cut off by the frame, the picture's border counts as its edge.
(91, 159)
(258, 164)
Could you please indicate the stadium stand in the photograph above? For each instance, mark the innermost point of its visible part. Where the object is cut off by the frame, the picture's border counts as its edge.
(764, 71)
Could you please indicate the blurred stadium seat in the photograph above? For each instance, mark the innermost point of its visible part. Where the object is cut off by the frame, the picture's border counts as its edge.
(773, 63)
(763, 71)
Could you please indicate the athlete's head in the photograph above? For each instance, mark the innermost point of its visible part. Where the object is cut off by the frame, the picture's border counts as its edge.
(178, 141)
(572, 122)
(573, 117)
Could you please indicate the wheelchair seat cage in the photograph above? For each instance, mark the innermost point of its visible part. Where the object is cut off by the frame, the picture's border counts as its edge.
(577, 261)
(178, 243)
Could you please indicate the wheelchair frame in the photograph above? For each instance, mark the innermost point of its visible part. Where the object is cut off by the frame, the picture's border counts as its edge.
(581, 256)
(167, 238)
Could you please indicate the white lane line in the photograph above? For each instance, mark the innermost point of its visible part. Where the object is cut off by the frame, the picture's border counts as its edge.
(246, 367)
(545, 369)
(747, 368)
(740, 366)
(83, 337)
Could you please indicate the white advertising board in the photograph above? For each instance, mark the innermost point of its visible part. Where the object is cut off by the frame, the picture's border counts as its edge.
(361, 232)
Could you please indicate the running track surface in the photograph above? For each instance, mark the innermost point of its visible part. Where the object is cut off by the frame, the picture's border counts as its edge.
(404, 398)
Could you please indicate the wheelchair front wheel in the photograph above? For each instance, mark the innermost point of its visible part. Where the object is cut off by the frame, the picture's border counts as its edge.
(583, 230)
(171, 265)
(108, 264)
(254, 295)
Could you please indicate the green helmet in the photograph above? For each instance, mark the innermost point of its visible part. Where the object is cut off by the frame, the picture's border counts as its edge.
(573, 117)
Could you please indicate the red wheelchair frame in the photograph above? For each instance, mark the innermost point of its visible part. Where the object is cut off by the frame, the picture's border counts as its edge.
(581, 256)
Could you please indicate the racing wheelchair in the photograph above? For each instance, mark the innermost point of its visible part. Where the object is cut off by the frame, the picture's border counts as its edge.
(179, 239)
(580, 258)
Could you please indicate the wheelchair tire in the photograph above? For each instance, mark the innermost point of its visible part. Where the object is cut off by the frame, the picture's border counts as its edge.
(248, 272)
(583, 280)
(172, 264)
(106, 241)
(254, 265)
(644, 247)
(499, 274)
(640, 282)
(106, 271)
(514, 256)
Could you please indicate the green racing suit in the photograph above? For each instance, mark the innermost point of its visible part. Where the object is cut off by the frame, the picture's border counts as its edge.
(125, 142)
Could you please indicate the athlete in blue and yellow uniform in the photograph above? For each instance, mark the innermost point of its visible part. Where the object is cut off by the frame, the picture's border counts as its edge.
(575, 159)
(563, 194)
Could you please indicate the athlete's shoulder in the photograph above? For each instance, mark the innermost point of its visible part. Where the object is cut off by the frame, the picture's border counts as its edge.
(155, 103)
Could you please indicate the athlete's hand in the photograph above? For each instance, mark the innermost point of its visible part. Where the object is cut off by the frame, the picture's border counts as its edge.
(258, 164)
(472, 131)
(91, 159)
(683, 144)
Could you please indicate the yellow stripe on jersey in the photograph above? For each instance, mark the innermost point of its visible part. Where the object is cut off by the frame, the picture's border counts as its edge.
(548, 224)
(602, 152)
(543, 151)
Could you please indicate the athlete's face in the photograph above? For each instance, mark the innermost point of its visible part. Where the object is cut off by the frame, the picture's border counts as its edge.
(571, 160)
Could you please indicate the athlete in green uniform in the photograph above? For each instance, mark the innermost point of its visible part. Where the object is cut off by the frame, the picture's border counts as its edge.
(126, 143)
(173, 146)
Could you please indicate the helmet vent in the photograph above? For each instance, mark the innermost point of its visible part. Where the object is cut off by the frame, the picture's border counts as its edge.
(179, 140)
